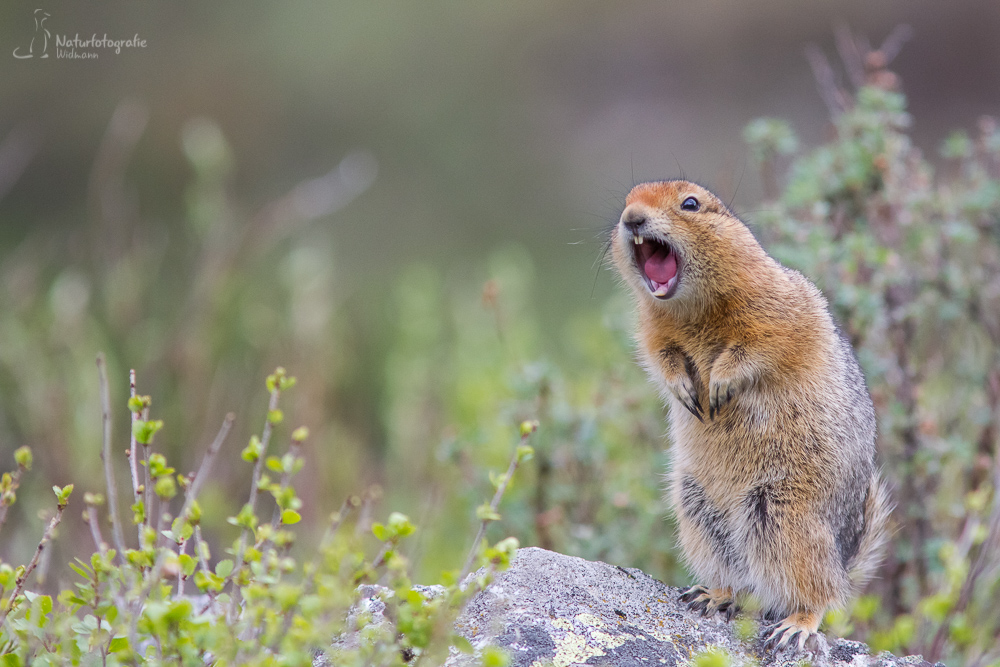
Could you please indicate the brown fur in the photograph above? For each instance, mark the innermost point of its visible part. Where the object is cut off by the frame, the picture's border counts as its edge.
(773, 479)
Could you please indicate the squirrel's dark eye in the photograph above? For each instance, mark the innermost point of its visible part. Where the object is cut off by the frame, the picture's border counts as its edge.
(690, 204)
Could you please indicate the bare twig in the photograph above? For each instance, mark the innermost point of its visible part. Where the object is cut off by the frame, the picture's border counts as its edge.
(203, 565)
(252, 501)
(180, 572)
(337, 519)
(94, 521)
(109, 475)
(834, 98)
(206, 464)
(147, 485)
(19, 587)
(258, 467)
(850, 54)
(893, 43)
(495, 503)
(133, 462)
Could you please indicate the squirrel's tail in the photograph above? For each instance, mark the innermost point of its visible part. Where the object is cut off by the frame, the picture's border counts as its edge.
(878, 507)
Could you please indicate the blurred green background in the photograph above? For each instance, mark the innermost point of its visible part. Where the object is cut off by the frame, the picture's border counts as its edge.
(404, 204)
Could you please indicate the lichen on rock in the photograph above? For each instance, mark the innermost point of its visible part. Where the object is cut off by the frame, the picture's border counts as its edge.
(551, 609)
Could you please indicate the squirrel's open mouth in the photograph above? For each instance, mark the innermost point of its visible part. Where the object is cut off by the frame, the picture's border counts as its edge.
(659, 265)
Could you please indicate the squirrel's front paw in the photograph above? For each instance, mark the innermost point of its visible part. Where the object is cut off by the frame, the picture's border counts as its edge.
(686, 393)
(720, 392)
(797, 631)
(708, 602)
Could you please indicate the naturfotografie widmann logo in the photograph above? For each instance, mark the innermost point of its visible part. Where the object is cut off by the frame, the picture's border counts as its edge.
(75, 47)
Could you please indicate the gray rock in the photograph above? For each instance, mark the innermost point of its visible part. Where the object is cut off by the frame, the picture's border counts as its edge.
(551, 609)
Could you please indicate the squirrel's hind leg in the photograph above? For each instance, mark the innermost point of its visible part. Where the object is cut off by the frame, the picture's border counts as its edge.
(710, 601)
(799, 630)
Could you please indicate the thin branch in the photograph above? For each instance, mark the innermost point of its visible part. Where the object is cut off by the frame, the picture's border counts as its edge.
(265, 438)
(93, 520)
(147, 486)
(19, 588)
(494, 504)
(850, 54)
(258, 467)
(180, 572)
(133, 462)
(109, 475)
(206, 464)
(826, 80)
(893, 44)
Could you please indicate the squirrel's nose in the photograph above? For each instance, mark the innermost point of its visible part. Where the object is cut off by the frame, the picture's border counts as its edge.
(633, 218)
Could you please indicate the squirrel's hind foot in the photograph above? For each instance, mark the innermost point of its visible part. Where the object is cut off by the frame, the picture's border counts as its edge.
(710, 601)
(798, 631)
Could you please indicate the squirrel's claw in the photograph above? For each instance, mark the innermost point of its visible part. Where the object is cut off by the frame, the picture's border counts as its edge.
(720, 393)
(690, 594)
(798, 631)
(708, 602)
(688, 396)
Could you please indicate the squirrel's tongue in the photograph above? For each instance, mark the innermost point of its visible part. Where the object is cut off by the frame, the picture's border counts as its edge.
(661, 266)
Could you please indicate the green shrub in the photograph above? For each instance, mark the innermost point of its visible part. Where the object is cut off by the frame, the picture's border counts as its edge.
(910, 261)
(167, 602)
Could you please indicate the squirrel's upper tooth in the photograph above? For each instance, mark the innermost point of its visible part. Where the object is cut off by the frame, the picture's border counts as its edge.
(637, 239)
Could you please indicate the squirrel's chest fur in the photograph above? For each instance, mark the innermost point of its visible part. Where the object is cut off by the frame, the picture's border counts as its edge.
(782, 431)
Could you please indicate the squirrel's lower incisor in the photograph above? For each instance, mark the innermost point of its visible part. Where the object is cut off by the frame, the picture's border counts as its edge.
(773, 476)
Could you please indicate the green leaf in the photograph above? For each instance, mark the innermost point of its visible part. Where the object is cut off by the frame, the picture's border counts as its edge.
(486, 513)
(145, 430)
(275, 416)
(206, 581)
(497, 479)
(187, 564)
(400, 524)
(138, 512)
(62, 494)
(95, 499)
(528, 427)
(80, 571)
(380, 532)
(165, 488)
(22, 455)
(253, 450)
(224, 567)
(118, 644)
(290, 517)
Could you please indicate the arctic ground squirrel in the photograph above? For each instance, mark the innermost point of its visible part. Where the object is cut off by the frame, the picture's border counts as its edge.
(773, 475)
